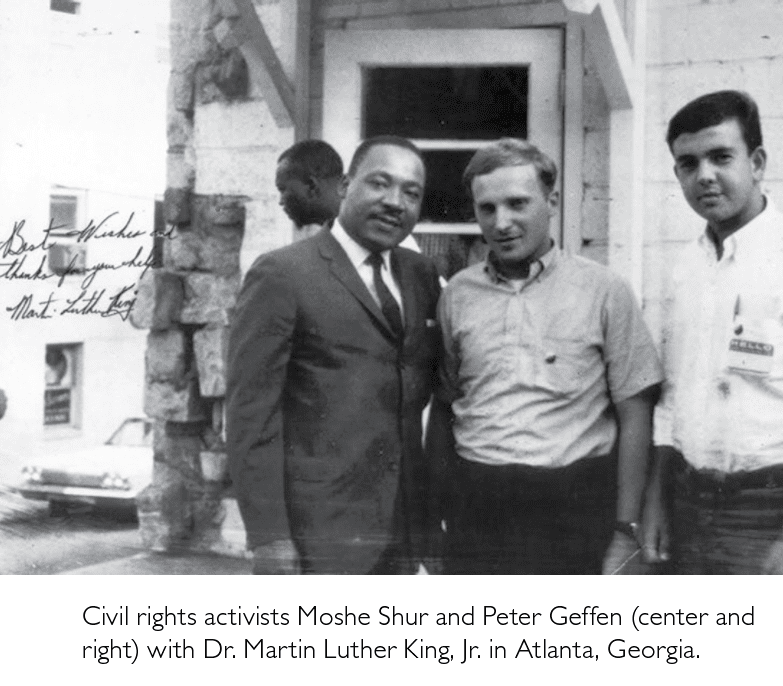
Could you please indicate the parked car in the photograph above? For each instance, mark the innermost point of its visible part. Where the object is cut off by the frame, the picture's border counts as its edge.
(107, 476)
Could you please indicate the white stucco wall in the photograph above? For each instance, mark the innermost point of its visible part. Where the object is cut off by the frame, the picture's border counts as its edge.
(83, 113)
(694, 47)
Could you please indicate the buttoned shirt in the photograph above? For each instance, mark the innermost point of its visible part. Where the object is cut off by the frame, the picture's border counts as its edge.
(722, 402)
(358, 255)
(531, 369)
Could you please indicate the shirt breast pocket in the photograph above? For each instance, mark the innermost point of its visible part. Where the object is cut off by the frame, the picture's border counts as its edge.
(565, 367)
(756, 341)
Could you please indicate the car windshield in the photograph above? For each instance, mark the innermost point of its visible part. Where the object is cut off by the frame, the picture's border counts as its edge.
(133, 432)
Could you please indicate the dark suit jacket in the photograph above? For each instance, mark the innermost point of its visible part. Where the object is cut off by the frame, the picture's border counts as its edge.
(324, 406)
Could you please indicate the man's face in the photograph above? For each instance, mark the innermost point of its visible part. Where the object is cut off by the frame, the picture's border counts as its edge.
(382, 201)
(719, 176)
(296, 195)
(514, 211)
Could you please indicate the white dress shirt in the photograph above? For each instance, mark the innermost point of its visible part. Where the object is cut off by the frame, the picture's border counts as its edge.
(358, 255)
(722, 403)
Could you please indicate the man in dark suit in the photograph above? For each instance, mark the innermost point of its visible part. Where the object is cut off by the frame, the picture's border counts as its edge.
(331, 361)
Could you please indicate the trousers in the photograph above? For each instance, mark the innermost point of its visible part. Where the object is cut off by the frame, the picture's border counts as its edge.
(515, 519)
(725, 523)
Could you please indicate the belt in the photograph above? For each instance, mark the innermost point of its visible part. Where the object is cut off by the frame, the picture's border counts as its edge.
(574, 470)
(715, 482)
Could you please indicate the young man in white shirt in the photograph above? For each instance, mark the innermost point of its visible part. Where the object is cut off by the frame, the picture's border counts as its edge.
(719, 425)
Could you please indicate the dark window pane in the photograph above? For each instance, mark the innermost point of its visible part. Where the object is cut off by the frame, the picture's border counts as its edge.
(461, 103)
(62, 214)
(445, 201)
(65, 6)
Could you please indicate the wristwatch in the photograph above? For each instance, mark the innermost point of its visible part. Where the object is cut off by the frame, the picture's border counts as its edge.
(630, 529)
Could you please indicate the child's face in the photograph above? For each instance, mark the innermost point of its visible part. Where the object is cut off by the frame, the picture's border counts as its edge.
(719, 176)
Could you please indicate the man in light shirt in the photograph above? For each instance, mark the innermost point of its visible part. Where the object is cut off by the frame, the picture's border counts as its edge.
(719, 426)
(331, 361)
(548, 378)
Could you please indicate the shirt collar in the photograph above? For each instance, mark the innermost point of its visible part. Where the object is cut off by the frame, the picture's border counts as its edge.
(537, 268)
(357, 254)
(760, 233)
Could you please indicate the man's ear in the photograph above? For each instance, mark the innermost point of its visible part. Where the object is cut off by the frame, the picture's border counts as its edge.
(758, 163)
(553, 200)
(342, 188)
(313, 185)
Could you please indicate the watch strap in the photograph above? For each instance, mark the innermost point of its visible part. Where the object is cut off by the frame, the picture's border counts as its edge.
(630, 529)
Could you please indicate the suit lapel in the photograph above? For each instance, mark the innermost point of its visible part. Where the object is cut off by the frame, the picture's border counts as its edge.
(346, 274)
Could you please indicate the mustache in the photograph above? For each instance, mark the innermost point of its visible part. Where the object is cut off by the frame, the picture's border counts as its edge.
(393, 217)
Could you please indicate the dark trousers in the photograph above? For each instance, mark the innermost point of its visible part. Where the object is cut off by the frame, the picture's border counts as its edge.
(725, 523)
(524, 520)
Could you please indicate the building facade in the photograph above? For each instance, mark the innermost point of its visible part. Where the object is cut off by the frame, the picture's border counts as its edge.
(593, 82)
(82, 162)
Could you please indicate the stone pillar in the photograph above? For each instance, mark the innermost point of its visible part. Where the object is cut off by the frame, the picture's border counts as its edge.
(185, 302)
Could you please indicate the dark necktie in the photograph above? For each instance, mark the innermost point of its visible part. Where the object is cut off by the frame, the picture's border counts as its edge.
(389, 306)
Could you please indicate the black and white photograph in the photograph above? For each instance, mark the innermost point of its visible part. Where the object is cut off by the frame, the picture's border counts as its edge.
(461, 287)
(474, 295)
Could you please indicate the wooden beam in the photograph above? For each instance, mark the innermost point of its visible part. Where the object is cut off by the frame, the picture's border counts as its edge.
(608, 45)
(622, 78)
(580, 6)
(241, 28)
(302, 69)
(504, 17)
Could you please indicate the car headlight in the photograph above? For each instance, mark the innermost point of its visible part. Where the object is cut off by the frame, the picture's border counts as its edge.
(115, 481)
(32, 473)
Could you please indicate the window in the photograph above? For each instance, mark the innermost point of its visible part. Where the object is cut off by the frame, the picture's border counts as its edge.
(64, 6)
(133, 432)
(66, 255)
(63, 214)
(448, 112)
(62, 392)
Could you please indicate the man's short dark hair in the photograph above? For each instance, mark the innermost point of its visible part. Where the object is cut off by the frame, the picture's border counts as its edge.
(713, 109)
(510, 152)
(369, 143)
(313, 158)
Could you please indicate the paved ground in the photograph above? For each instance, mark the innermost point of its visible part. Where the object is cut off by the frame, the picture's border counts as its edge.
(87, 542)
(164, 563)
(13, 508)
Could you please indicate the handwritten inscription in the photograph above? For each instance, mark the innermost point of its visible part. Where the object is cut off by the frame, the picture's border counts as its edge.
(98, 302)
(16, 244)
(23, 260)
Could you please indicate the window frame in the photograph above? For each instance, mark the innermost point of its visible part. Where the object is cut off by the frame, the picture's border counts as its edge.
(79, 197)
(75, 360)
